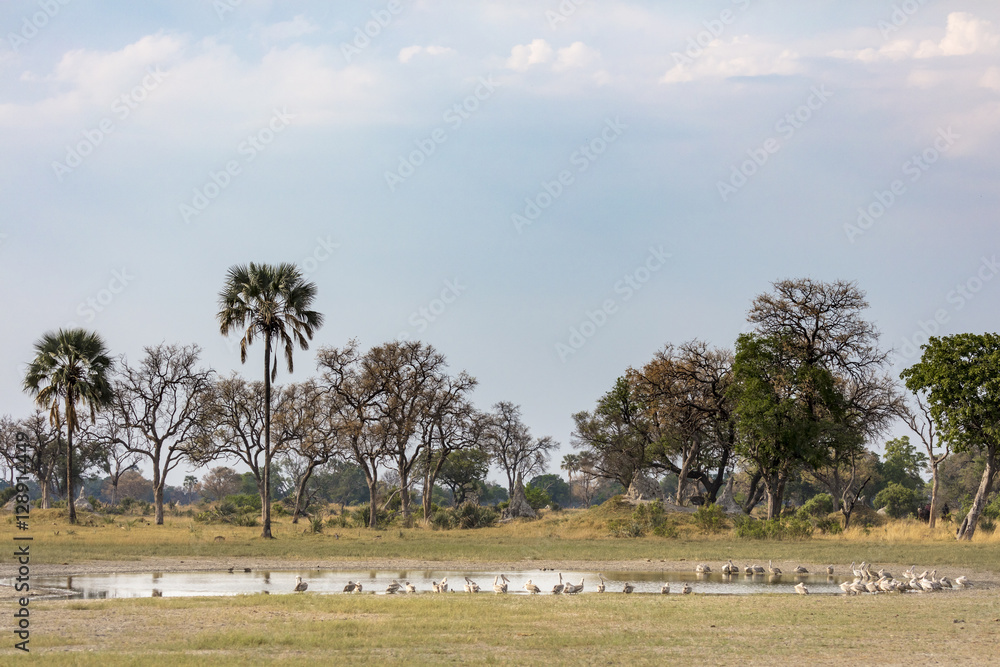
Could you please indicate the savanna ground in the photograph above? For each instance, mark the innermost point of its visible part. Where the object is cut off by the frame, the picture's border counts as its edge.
(958, 627)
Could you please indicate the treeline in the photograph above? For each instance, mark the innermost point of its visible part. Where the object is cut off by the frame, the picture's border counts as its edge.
(800, 399)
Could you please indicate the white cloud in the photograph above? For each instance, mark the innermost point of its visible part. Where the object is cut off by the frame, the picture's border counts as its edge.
(576, 55)
(284, 30)
(991, 79)
(523, 56)
(964, 35)
(410, 52)
(739, 57)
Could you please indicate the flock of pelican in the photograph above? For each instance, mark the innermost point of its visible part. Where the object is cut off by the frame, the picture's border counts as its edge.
(865, 581)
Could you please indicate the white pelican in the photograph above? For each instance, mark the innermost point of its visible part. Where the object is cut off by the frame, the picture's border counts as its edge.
(300, 585)
(349, 588)
(800, 570)
(558, 588)
(499, 587)
(829, 569)
(758, 569)
(600, 586)
(686, 589)
(532, 588)
(729, 568)
(963, 581)
(628, 588)
(357, 587)
(801, 589)
(748, 569)
(393, 587)
(410, 588)
(665, 588)
(702, 568)
(772, 569)
(573, 590)
(471, 586)
(444, 585)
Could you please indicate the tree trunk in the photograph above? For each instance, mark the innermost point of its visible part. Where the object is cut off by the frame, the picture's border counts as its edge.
(45, 493)
(69, 457)
(300, 490)
(265, 510)
(932, 521)
(158, 501)
(404, 492)
(682, 478)
(372, 506)
(971, 521)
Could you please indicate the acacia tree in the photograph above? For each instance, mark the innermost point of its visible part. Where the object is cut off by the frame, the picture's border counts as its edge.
(274, 303)
(961, 377)
(510, 444)
(164, 407)
(921, 422)
(71, 366)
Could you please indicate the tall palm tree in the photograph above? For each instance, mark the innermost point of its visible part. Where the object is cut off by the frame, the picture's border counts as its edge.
(70, 366)
(273, 302)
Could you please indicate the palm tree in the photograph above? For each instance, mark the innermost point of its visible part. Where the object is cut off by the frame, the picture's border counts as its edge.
(70, 366)
(272, 302)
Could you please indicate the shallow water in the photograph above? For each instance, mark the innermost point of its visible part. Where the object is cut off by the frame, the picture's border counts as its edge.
(181, 584)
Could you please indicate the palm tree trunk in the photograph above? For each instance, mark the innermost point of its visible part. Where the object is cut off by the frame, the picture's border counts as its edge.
(265, 509)
(70, 422)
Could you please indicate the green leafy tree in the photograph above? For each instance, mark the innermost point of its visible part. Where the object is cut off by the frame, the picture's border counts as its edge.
(71, 366)
(273, 302)
(899, 501)
(903, 463)
(463, 471)
(554, 485)
(961, 375)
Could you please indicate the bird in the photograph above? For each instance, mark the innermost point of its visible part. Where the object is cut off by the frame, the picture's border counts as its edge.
(665, 588)
(800, 570)
(729, 568)
(357, 587)
(230, 570)
(471, 586)
(686, 589)
(410, 588)
(500, 584)
(772, 569)
(945, 581)
(349, 588)
(829, 569)
(801, 589)
(436, 587)
(393, 587)
(758, 569)
(748, 569)
(702, 568)
(963, 581)
(628, 588)
(573, 589)
(300, 585)
(444, 585)
(558, 588)
(532, 588)
(600, 586)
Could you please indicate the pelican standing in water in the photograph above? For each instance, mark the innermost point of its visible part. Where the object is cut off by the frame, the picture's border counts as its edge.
(800, 570)
(701, 568)
(829, 569)
(772, 569)
(801, 589)
(499, 587)
(686, 589)
(532, 588)
(600, 586)
(300, 585)
(729, 568)
(628, 588)
(560, 587)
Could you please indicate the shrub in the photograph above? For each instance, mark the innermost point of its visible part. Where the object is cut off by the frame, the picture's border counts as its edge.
(441, 520)
(245, 520)
(819, 505)
(278, 509)
(338, 521)
(992, 509)
(897, 500)
(537, 498)
(243, 501)
(830, 526)
(710, 518)
(316, 525)
(472, 515)
(749, 528)
(987, 524)
(646, 518)
(359, 515)
(7, 494)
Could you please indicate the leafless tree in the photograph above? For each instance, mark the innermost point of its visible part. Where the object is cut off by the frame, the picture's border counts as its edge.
(322, 441)
(512, 447)
(921, 423)
(118, 447)
(165, 400)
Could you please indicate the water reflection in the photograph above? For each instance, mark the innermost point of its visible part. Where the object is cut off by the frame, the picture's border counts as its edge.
(180, 584)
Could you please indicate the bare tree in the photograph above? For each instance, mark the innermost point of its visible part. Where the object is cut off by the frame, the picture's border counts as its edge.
(321, 443)
(453, 425)
(118, 448)
(165, 400)
(512, 447)
(921, 423)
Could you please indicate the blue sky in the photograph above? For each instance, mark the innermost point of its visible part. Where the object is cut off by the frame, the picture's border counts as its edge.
(561, 187)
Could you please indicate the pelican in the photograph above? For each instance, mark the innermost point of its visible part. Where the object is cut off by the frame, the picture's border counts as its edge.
(665, 589)
(772, 569)
(349, 588)
(300, 585)
(532, 588)
(758, 569)
(963, 581)
(471, 586)
(729, 568)
(600, 586)
(573, 590)
(829, 569)
(628, 588)
(801, 589)
(410, 588)
(701, 568)
(560, 587)
(500, 587)
(945, 581)
(444, 585)
(800, 570)
(357, 587)
(846, 587)
(686, 590)
(748, 569)
(393, 587)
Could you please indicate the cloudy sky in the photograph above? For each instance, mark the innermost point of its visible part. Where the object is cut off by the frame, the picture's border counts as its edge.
(546, 191)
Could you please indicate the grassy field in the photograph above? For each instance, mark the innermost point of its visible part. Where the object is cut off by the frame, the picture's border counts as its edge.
(952, 627)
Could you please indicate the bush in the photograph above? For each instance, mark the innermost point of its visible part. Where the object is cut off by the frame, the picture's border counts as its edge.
(646, 518)
(7, 494)
(316, 525)
(830, 526)
(897, 500)
(992, 509)
(537, 498)
(338, 521)
(278, 509)
(819, 505)
(243, 501)
(749, 528)
(245, 520)
(710, 518)
(359, 515)
(441, 520)
(472, 515)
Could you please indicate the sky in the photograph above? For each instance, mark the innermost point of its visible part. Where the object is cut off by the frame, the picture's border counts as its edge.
(546, 191)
